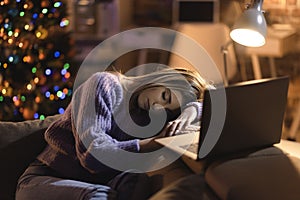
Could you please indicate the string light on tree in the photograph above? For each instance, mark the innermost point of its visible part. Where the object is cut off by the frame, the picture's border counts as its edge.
(35, 55)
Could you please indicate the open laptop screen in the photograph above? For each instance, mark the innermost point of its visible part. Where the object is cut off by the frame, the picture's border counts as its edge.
(253, 118)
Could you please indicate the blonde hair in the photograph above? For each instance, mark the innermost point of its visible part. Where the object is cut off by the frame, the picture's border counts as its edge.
(187, 82)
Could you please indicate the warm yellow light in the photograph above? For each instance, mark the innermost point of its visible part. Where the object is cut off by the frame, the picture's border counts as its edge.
(251, 28)
(10, 41)
(36, 80)
(29, 87)
(3, 91)
(248, 37)
(38, 34)
(27, 59)
(51, 97)
(26, 27)
(16, 34)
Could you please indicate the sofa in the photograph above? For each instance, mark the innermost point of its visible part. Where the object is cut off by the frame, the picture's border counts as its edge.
(268, 173)
(20, 142)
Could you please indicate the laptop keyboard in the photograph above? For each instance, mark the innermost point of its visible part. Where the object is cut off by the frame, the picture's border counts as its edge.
(191, 147)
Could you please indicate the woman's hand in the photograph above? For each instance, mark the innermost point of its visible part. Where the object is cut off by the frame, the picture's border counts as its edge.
(149, 144)
(187, 117)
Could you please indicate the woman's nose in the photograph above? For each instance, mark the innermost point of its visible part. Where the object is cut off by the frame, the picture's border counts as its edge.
(157, 106)
(157, 102)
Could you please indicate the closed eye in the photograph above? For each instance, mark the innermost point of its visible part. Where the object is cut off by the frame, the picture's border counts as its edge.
(166, 95)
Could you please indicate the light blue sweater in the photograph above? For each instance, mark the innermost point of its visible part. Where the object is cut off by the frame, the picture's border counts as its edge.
(86, 127)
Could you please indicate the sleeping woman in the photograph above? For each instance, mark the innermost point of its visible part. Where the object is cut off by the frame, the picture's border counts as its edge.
(109, 113)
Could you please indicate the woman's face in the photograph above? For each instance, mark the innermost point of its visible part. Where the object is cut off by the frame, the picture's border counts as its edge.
(157, 98)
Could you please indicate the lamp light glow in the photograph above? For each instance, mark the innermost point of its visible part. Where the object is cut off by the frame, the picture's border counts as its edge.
(248, 37)
(251, 28)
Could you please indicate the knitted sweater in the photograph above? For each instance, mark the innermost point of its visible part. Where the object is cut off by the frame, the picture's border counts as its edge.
(88, 126)
(88, 118)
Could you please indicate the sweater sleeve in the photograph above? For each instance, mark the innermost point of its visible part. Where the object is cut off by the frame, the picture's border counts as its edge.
(93, 106)
(198, 106)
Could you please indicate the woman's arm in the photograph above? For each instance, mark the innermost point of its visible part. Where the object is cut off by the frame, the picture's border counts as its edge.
(93, 105)
(191, 114)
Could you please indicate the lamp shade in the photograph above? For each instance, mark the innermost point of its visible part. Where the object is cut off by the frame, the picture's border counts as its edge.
(250, 29)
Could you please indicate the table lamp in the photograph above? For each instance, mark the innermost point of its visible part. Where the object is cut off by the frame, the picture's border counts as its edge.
(251, 28)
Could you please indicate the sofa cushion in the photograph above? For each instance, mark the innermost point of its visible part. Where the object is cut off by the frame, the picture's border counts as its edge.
(13, 131)
(264, 174)
(192, 187)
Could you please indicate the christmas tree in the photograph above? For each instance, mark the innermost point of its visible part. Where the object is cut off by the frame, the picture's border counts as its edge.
(35, 59)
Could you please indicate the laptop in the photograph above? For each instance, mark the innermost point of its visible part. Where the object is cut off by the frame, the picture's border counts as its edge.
(238, 118)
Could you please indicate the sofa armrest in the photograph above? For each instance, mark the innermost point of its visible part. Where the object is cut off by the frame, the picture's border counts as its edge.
(15, 158)
(13, 131)
(264, 174)
(20, 143)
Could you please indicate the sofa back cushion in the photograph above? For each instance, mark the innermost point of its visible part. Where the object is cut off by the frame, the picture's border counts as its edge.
(13, 131)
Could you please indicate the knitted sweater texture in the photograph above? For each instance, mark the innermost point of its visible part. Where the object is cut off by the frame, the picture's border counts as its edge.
(86, 127)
